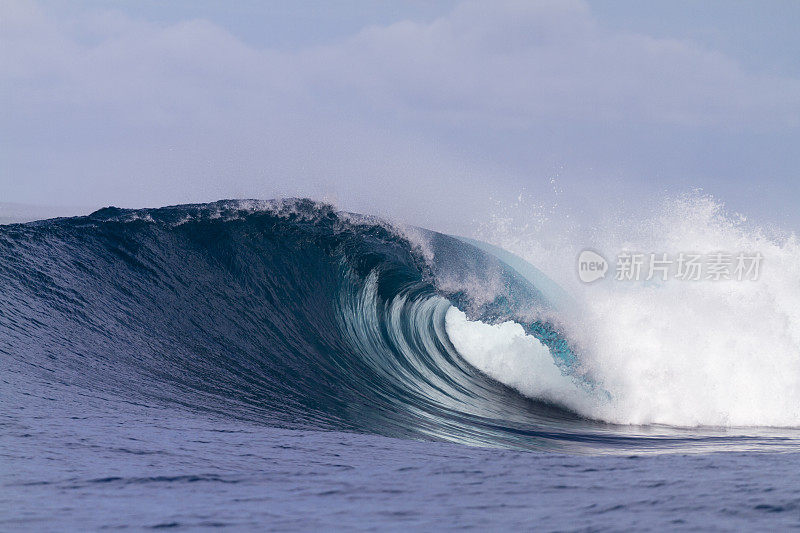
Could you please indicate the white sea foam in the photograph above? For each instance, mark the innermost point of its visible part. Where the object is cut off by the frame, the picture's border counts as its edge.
(723, 353)
(504, 352)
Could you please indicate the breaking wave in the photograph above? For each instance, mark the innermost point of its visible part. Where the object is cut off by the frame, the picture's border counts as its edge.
(294, 314)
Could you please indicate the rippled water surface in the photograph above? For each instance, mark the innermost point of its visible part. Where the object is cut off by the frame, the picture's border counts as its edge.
(102, 465)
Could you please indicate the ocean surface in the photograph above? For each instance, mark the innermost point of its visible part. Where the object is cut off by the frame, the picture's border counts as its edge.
(284, 365)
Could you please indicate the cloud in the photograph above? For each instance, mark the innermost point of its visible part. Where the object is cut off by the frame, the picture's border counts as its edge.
(104, 108)
(522, 61)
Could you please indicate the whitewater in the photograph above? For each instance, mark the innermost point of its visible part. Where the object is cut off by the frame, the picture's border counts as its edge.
(691, 353)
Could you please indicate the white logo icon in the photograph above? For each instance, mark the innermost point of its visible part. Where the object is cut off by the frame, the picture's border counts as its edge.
(591, 266)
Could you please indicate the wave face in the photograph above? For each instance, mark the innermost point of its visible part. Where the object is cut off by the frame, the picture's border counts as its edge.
(295, 315)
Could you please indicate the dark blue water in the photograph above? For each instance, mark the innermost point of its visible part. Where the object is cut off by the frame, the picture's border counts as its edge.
(285, 366)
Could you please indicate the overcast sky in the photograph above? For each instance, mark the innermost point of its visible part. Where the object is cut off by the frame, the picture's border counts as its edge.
(423, 110)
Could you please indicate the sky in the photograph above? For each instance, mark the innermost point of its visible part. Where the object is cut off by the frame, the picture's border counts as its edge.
(430, 112)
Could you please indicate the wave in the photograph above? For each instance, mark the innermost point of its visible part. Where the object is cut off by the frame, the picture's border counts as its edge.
(294, 314)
